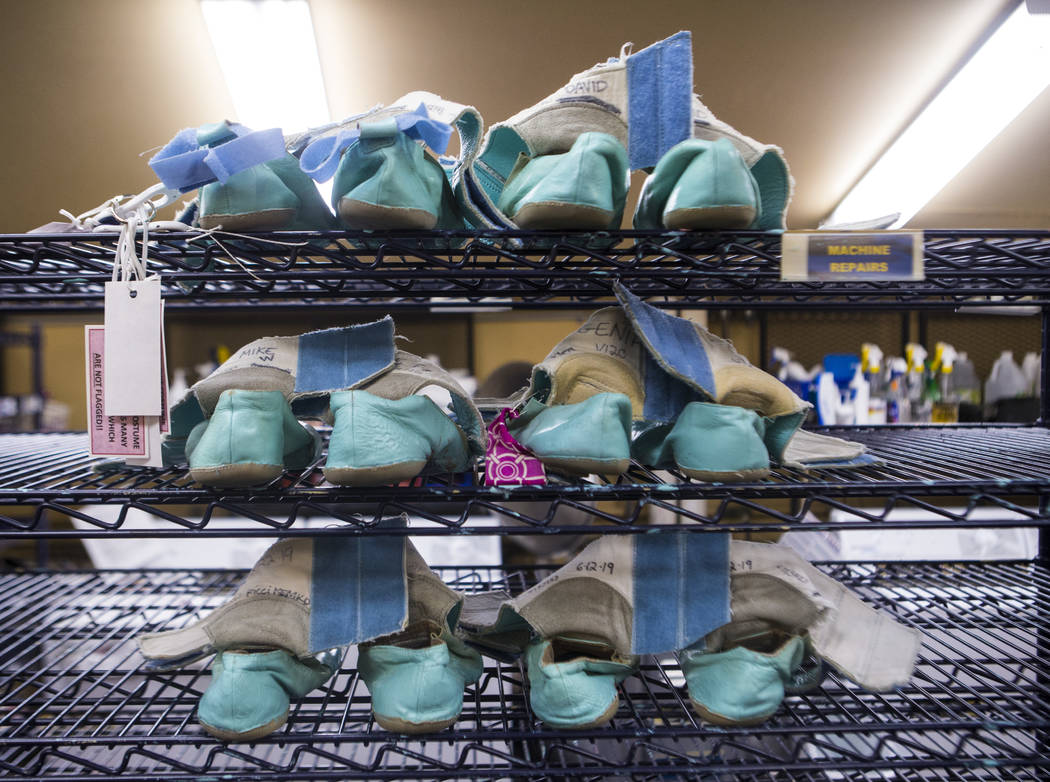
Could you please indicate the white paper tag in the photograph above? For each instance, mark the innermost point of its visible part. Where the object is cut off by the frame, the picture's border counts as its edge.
(132, 348)
(108, 435)
(156, 428)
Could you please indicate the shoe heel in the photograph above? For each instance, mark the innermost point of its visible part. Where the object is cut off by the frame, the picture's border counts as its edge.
(242, 444)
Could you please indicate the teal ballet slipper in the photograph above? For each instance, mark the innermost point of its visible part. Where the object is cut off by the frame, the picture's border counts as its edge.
(251, 691)
(586, 437)
(270, 196)
(709, 442)
(251, 437)
(745, 684)
(584, 188)
(385, 180)
(699, 184)
(416, 678)
(572, 681)
(377, 441)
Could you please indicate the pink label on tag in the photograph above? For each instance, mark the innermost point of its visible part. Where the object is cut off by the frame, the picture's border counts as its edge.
(110, 435)
(165, 423)
(508, 462)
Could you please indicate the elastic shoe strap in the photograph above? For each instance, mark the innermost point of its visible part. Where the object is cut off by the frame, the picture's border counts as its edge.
(321, 158)
(187, 162)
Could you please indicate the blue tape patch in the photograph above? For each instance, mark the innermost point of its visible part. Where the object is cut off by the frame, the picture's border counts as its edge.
(681, 589)
(341, 358)
(665, 395)
(660, 99)
(358, 589)
(674, 341)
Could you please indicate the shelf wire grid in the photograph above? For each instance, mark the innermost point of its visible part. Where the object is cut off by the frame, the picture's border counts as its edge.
(75, 703)
(52, 477)
(447, 270)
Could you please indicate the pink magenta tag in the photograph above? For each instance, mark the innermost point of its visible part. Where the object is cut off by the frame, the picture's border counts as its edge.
(110, 435)
(508, 462)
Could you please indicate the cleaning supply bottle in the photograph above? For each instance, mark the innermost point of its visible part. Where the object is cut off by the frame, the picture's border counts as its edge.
(871, 365)
(914, 385)
(860, 396)
(945, 408)
(1031, 367)
(898, 408)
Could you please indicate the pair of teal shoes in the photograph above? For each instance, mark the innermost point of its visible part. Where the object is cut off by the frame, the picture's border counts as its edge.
(416, 679)
(253, 436)
(698, 184)
(707, 441)
(385, 170)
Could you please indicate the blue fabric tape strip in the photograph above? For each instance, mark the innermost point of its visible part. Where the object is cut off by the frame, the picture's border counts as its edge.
(674, 341)
(184, 164)
(660, 94)
(321, 158)
(341, 358)
(665, 395)
(357, 590)
(244, 152)
(681, 589)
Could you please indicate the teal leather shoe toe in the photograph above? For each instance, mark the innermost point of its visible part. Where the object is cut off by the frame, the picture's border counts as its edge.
(275, 195)
(250, 692)
(416, 678)
(699, 184)
(250, 438)
(377, 441)
(743, 684)
(584, 188)
(586, 437)
(387, 181)
(709, 442)
(572, 680)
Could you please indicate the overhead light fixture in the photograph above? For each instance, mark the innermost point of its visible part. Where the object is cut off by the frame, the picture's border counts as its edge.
(1001, 79)
(267, 51)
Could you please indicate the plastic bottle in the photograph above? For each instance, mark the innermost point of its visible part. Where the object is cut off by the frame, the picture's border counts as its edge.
(860, 396)
(914, 386)
(828, 399)
(1032, 367)
(898, 408)
(871, 364)
(945, 407)
(1006, 379)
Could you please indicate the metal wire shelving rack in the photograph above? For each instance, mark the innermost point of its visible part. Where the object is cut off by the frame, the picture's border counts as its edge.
(75, 703)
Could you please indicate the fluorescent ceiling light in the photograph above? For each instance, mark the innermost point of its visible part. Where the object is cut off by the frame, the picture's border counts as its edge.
(268, 54)
(997, 84)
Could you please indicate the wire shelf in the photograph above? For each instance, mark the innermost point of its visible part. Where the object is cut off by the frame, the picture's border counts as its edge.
(52, 476)
(74, 703)
(452, 270)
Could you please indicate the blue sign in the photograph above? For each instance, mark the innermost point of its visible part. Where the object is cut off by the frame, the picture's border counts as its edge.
(880, 255)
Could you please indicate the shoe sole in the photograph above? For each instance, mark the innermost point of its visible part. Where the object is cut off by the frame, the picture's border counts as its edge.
(726, 722)
(263, 220)
(365, 216)
(725, 476)
(703, 217)
(248, 735)
(373, 476)
(604, 718)
(398, 725)
(556, 215)
(227, 476)
(588, 466)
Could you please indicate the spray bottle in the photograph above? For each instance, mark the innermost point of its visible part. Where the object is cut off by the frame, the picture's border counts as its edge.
(871, 365)
(913, 386)
(898, 408)
(945, 408)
